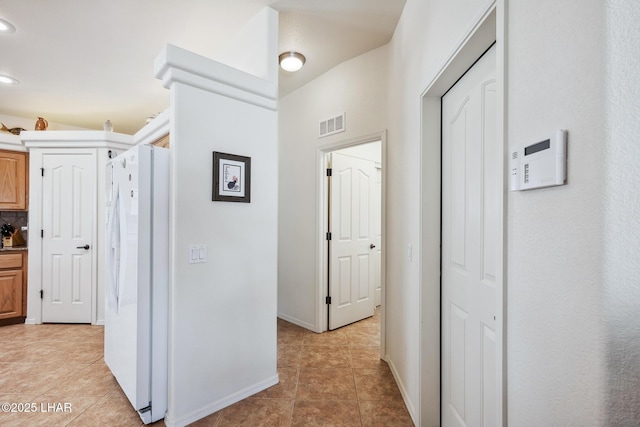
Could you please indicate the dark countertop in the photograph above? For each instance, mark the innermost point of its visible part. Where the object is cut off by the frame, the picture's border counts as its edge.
(14, 248)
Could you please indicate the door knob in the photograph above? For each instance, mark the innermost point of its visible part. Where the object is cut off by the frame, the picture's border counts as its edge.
(85, 247)
(371, 246)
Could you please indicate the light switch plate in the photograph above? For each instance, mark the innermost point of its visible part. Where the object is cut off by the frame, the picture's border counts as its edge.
(197, 254)
(202, 253)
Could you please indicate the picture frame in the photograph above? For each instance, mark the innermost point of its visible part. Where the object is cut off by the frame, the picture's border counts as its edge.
(231, 178)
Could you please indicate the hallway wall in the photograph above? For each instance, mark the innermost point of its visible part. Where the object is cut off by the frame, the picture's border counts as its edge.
(556, 336)
(621, 212)
(357, 88)
(572, 271)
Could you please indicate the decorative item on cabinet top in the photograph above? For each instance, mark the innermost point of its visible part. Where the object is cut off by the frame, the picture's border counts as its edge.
(15, 131)
(41, 124)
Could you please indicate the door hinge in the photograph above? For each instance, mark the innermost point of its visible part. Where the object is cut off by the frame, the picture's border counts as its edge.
(41, 294)
(42, 234)
(329, 171)
(42, 171)
(327, 300)
(329, 236)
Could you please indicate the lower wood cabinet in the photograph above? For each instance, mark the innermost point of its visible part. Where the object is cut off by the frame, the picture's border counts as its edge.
(13, 287)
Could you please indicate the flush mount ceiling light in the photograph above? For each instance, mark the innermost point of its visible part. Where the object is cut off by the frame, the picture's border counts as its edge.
(6, 27)
(291, 61)
(8, 80)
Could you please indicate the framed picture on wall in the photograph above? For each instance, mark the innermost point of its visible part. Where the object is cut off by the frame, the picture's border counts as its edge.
(231, 178)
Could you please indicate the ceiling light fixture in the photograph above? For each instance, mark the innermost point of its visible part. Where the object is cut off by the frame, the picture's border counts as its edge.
(8, 80)
(291, 61)
(6, 27)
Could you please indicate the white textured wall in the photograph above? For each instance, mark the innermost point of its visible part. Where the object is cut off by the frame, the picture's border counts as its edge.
(250, 50)
(622, 212)
(572, 351)
(555, 318)
(223, 312)
(356, 87)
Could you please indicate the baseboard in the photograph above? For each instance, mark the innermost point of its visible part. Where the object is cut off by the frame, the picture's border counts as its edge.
(99, 322)
(220, 404)
(298, 322)
(12, 321)
(403, 390)
(31, 321)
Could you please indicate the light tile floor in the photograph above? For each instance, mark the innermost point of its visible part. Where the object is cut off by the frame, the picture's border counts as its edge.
(330, 379)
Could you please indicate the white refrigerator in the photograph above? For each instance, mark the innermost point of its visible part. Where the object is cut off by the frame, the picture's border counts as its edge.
(136, 312)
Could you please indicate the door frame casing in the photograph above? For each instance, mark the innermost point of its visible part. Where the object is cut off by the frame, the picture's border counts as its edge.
(489, 27)
(322, 219)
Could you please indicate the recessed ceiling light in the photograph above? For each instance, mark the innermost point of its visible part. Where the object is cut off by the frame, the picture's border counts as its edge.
(291, 61)
(6, 27)
(8, 80)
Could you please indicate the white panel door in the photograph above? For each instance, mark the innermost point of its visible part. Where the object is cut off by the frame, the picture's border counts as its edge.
(351, 268)
(68, 215)
(377, 237)
(470, 203)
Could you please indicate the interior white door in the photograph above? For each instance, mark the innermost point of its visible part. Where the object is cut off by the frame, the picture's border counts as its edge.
(377, 237)
(470, 221)
(68, 215)
(351, 267)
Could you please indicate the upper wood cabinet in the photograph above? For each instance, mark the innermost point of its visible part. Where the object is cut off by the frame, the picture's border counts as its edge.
(13, 180)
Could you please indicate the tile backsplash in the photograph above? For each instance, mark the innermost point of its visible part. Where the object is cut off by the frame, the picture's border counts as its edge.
(17, 219)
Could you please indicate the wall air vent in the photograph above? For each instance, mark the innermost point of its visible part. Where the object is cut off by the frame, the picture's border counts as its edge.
(333, 125)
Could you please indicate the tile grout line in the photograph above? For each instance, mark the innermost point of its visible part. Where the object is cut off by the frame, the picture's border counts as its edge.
(295, 395)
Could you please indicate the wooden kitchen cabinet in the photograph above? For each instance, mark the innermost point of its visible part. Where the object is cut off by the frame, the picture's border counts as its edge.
(13, 286)
(13, 180)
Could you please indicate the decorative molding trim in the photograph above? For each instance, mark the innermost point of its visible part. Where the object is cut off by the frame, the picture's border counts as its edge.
(176, 65)
(76, 139)
(11, 142)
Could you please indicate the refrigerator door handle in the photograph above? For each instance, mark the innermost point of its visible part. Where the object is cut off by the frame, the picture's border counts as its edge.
(113, 253)
(123, 252)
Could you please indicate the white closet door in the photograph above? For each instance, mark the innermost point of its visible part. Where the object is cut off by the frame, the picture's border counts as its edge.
(68, 215)
(470, 221)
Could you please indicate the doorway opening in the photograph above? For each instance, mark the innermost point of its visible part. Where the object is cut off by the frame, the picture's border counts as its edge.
(351, 217)
(488, 30)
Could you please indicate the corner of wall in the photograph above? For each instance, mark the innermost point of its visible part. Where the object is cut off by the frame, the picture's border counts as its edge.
(228, 301)
(254, 49)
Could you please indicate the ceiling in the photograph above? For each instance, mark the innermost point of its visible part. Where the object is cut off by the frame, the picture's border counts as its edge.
(82, 62)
